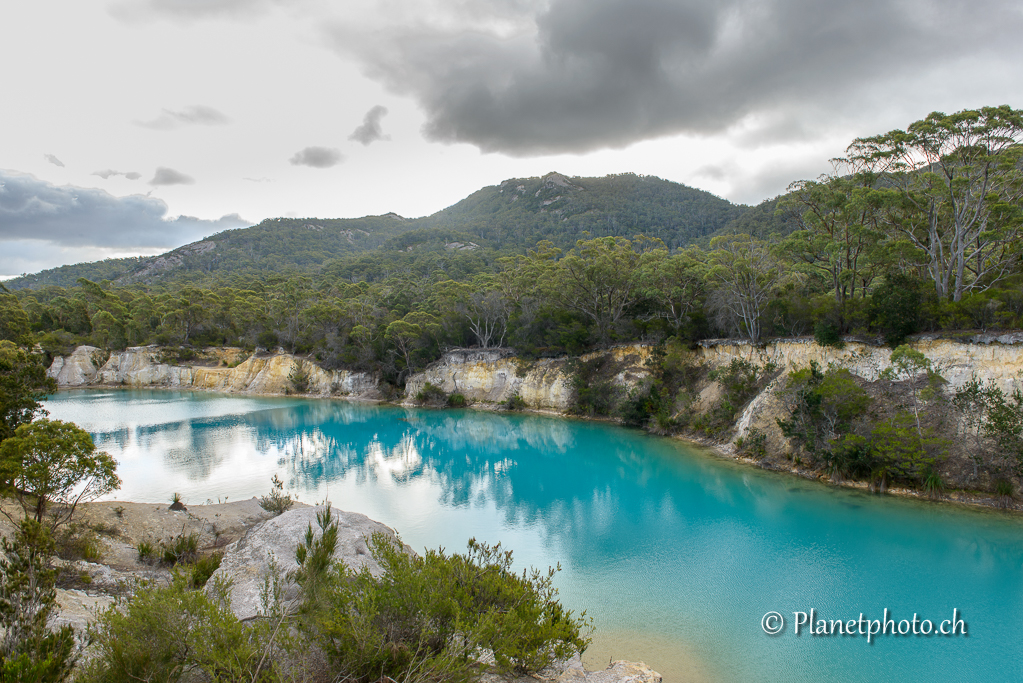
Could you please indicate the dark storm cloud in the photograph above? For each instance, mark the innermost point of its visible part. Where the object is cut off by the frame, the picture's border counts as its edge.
(66, 216)
(108, 173)
(317, 157)
(53, 160)
(370, 130)
(607, 73)
(168, 176)
(189, 116)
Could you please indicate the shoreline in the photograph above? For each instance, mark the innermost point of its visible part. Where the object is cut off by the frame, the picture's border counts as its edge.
(723, 451)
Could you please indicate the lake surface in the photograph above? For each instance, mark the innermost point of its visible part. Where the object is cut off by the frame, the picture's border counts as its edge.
(675, 554)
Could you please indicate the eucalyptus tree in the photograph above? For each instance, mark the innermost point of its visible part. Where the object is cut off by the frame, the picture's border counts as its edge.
(953, 184)
(744, 271)
(51, 466)
(676, 283)
(598, 279)
(839, 237)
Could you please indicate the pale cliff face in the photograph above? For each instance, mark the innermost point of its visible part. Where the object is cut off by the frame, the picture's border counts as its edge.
(492, 376)
(141, 366)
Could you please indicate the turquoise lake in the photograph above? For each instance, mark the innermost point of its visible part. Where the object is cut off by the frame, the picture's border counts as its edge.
(676, 555)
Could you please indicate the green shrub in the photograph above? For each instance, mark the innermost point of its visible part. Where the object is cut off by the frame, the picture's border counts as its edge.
(78, 542)
(740, 381)
(430, 617)
(933, 485)
(184, 549)
(826, 333)
(596, 394)
(754, 445)
(432, 394)
(299, 378)
(276, 501)
(146, 552)
(200, 571)
(1003, 488)
(173, 633)
(456, 401)
(515, 402)
(895, 308)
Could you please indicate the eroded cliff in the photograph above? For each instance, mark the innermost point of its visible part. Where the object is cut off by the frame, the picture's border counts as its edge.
(228, 370)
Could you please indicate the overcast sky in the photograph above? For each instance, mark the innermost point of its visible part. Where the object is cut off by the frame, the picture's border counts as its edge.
(135, 126)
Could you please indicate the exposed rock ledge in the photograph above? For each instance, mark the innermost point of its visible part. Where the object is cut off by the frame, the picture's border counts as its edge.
(143, 366)
(495, 375)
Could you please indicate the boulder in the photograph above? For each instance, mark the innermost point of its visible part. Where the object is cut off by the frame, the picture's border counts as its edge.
(247, 561)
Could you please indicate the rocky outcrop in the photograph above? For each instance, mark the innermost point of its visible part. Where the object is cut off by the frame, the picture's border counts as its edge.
(495, 375)
(226, 370)
(78, 369)
(250, 559)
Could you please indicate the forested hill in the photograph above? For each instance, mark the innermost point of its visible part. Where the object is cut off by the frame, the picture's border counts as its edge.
(520, 212)
(497, 220)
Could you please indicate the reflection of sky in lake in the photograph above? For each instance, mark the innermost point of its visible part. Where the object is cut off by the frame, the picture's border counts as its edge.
(674, 554)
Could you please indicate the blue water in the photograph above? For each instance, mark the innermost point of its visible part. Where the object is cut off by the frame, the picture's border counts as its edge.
(675, 554)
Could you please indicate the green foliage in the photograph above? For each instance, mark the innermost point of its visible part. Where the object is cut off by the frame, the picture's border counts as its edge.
(29, 651)
(596, 394)
(823, 408)
(276, 501)
(173, 633)
(933, 486)
(181, 548)
(431, 394)
(299, 378)
(77, 542)
(753, 445)
(146, 551)
(740, 381)
(1004, 490)
(23, 384)
(895, 308)
(826, 333)
(315, 555)
(900, 452)
(14, 322)
(515, 402)
(430, 617)
(998, 417)
(200, 571)
(456, 400)
(54, 465)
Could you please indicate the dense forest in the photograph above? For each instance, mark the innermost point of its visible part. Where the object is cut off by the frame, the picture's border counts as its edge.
(917, 230)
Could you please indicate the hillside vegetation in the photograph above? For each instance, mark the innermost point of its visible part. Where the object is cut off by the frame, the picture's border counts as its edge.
(497, 221)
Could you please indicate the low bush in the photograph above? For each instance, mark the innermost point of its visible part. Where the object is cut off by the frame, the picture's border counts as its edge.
(431, 394)
(431, 617)
(173, 633)
(200, 571)
(515, 402)
(146, 552)
(456, 401)
(181, 548)
(276, 501)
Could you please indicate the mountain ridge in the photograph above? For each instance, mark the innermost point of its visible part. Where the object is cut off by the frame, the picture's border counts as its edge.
(504, 219)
